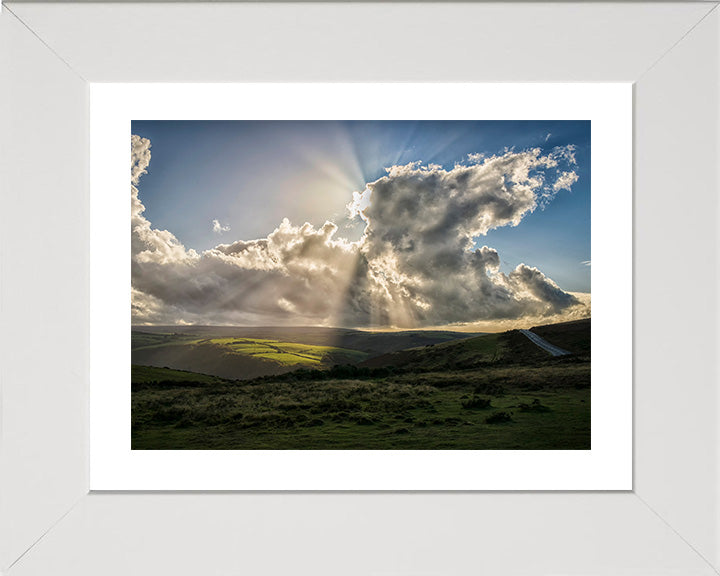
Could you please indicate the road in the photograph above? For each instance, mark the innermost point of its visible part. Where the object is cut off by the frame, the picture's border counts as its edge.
(544, 344)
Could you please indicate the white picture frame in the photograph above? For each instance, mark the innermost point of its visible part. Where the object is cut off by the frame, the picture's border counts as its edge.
(49, 523)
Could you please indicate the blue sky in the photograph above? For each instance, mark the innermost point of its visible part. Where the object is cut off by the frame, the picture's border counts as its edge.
(251, 175)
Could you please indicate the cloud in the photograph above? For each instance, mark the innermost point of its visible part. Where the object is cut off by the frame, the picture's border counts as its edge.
(139, 158)
(219, 228)
(149, 244)
(421, 222)
(300, 269)
(565, 181)
(548, 136)
(415, 265)
(585, 262)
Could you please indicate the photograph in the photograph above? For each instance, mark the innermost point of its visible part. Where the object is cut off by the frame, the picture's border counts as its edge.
(361, 285)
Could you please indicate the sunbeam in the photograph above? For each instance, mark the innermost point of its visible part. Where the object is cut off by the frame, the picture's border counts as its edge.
(399, 250)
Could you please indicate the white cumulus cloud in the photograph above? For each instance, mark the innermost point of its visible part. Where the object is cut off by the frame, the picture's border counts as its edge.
(565, 181)
(219, 228)
(415, 265)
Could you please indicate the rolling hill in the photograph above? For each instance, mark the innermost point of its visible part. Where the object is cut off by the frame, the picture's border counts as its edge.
(246, 353)
(572, 336)
(494, 391)
(502, 348)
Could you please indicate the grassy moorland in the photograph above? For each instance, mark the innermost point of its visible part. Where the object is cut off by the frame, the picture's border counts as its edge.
(495, 391)
(571, 336)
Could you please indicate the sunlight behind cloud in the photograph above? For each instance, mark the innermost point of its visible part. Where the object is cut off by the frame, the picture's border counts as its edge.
(414, 266)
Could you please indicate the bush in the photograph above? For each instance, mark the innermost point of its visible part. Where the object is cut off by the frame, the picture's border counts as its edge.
(476, 403)
(491, 389)
(172, 415)
(532, 386)
(536, 406)
(499, 418)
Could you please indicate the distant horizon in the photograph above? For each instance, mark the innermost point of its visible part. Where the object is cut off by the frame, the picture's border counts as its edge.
(358, 329)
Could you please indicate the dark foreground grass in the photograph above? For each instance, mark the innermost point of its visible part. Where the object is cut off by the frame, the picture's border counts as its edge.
(545, 405)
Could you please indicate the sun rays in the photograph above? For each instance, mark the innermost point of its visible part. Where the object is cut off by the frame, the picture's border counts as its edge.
(401, 251)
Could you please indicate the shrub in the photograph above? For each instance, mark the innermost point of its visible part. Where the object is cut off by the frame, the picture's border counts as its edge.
(364, 420)
(535, 406)
(491, 389)
(476, 403)
(499, 418)
(535, 386)
(172, 415)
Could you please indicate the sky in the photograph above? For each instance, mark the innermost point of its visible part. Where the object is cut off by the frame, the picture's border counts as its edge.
(409, 224)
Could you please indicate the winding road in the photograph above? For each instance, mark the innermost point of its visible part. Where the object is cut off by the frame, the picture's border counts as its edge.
(544, 344)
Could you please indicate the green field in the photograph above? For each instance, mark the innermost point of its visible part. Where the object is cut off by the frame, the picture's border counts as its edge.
(286, 353)
(497, 391)
(235, 357)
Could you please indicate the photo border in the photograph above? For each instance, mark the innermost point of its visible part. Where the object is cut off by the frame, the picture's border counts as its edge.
(607, 466)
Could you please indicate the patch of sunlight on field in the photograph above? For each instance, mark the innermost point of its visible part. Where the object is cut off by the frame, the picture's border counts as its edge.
(288, 359)
(248, 348)
(306, 348)
(287, 353)
(242, 341)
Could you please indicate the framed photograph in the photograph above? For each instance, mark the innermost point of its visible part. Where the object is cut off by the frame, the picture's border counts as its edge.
(265, 319)
(371, 325)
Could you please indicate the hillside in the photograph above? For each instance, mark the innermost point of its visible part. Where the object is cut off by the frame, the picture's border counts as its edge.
(153, 378)
(572, 336)
(489, 392)
(368, 341)
(247, 353)
(503, 348)
(205, 359)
